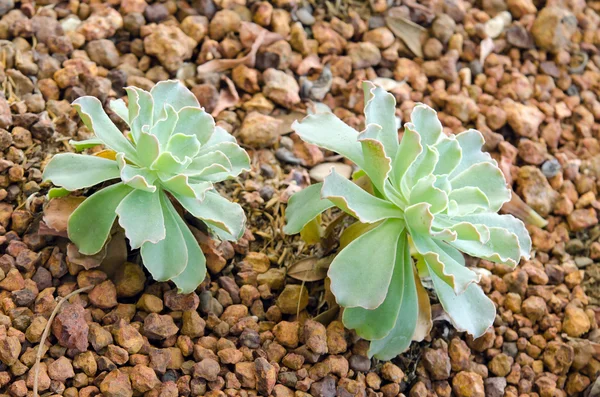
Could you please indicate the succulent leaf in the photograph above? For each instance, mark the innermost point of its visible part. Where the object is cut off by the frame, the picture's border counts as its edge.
(175, 148)
(89, 225)
(78, 171)
(439, 193)
(359, 277)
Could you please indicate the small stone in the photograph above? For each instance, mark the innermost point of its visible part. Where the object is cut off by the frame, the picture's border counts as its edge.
(61, 369)
(293, 299)
(437, 363)
(392, 372)
(501, 365)
(102, 24)
(230, 355)
(576, 322)
(534, 188)
(116, 384)
(195, 26)
(13, 281)
(158, 326)
(150, 303)
(581, 219)
(207, 369)
(10, 348)
(494, 387)
(558, 357)
(553, 28)
(128, 338)
(534, 308)
(259, 261)
(193, 324)
(223, 22)
(266, 376)
(181, 302)
(286, 333)
(129, 280)
(259, 130)
(281, 88)
(143, 378)
(103, 52)
(104, 295)
(443, 27)
(315, 336)
(468, 384)
(170, 45)
(324, 388)
(363, 55)
(359, 363)
(525, 120)
(70, 327)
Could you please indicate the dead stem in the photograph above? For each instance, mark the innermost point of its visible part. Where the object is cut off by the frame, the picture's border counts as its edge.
(38, 356)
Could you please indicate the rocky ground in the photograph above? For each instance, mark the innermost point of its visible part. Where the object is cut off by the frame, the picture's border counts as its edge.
(523, 72)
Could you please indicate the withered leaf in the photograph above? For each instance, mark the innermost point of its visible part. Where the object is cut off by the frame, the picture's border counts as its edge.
(328, 315)
(310, 269)
(57, 213)
(424, 322)
(407, 31)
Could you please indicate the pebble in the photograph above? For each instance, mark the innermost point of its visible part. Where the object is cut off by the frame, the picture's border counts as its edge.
(293, 299)
(61, 369)
(259, 130)
(468, 384)
(286, 333)
(129, 280)
(103, 52)
(158, 326)
(553, 28)
(281, 88)
(170, 45)
(576, 322)
(116, 384)
(266, 376)
(104, 295)
(143, 378)
(437, 363)
(70, 327)
(315, 336)
(207, 369)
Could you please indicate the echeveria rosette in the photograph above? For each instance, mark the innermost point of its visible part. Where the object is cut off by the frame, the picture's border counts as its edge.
(173, 146)
(434, 195)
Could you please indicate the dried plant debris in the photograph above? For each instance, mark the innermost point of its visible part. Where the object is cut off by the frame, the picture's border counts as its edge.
(251, 328)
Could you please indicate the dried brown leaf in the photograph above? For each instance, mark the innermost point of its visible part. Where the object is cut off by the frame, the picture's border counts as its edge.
(328, 315)
(250, 31)
(221, 65)
(86, 261)
(228, 97)
(57, 213)
(409, 32)
(310, 269)
(424, 322)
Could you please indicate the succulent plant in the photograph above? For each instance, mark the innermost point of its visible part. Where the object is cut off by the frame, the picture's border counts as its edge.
(431, 197)
(173, 150)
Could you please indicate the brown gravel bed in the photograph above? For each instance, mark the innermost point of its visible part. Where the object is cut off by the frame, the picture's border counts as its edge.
(523, 72)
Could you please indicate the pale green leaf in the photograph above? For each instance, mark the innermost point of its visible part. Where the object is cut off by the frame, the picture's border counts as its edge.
(380, 110)
(195, 121)
(426, 123)
(140, 214)
(164, 127)
(423, 165)
(470, 311)
(57, 192)
(377, 164)
(168, 257)
(137, 178)
(95, 119)
(489, 179)
(467, 200)
(450, 154)
(329, 132)
(353, 200)
(77, 171)
(219, 135)
(217, 212)
(203, 161)
(181, 185)
(238, 157)
(420, 221)
(471, 142)
(85, 144)
(377, 323)
(195, 271)
(90, 224)
(182, 146)
(446, 262)
(361, 273)
(507, 222)
(501, 247)
(171, 93)
(141, 109)
(408, 151)
(167, 163)
(399, 338)
(148, 148)
(120, 108)
(425, 191)
(303, 207)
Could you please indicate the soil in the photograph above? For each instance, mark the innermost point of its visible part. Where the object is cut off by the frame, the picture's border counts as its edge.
(525, 73)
